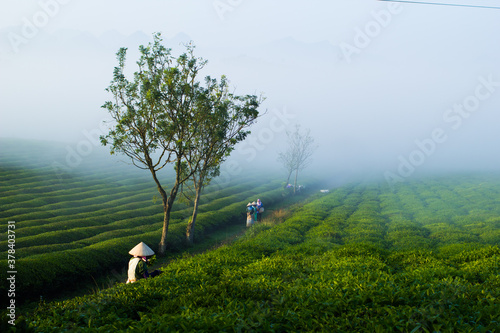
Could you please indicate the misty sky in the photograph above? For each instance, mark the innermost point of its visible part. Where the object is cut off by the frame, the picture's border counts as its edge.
(382, 85)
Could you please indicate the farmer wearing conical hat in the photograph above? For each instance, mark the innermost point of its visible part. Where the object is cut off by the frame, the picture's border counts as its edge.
(137, 266)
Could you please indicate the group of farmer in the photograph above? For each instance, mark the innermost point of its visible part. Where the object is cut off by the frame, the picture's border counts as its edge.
(142, 254)
(254, 212)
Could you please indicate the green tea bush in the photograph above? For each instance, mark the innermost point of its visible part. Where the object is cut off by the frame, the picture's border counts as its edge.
(331, 232)
(412, 242)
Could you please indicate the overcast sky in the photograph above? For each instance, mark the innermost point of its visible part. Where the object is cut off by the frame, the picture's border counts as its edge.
(380, 84)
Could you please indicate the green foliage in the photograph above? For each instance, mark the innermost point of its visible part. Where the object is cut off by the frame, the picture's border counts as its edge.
(164, 115)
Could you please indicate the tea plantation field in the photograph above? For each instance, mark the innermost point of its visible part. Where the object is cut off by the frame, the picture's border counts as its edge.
(421, 257)
(75, 223)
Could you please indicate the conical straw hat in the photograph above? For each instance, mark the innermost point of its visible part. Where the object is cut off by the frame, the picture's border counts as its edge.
(141, 250)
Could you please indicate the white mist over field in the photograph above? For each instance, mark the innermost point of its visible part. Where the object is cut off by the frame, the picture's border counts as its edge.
(387, 89)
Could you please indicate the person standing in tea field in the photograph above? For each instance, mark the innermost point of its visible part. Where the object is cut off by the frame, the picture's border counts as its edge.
(250, 214)
(255, 211)
(260, 210)
(138, 264)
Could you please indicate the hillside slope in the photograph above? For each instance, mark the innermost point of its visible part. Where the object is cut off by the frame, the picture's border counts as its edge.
(423, 257)
(74, 224)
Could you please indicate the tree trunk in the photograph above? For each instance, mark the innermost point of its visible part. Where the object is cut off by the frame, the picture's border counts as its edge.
(295, 182)
(167, 203)
(167, 207)
(162, 247)
(191, 224)
(288, 178)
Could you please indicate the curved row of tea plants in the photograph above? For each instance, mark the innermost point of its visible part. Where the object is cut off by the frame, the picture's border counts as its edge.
(457, 210)
(65, 258)
(338, 263)
(124, 213)
(84, 222)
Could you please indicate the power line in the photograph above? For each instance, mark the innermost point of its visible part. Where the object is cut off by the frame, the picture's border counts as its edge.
(441, 4)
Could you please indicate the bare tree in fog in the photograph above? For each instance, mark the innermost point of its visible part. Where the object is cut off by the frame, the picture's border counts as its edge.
(298, 154)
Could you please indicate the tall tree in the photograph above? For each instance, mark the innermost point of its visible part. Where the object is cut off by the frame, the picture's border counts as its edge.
(223, 122)
(298, 154)
(154, 115)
